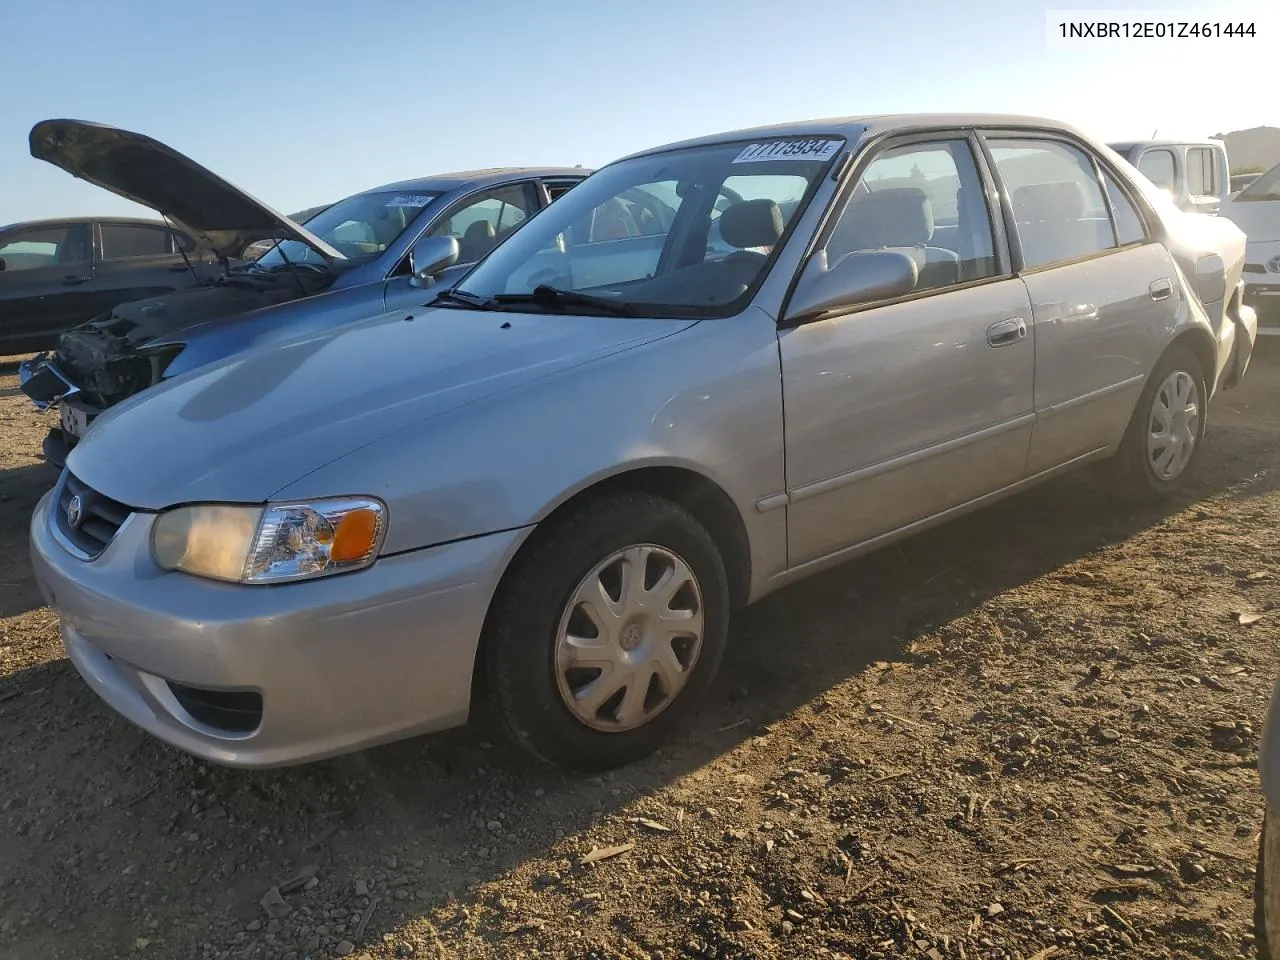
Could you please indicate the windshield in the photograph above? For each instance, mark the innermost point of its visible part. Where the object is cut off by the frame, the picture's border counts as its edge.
(360, 227)
(682, 233)
(1266, 187)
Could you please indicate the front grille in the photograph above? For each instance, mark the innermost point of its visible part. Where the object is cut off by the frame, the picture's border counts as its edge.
(99, 517)
(230, 711)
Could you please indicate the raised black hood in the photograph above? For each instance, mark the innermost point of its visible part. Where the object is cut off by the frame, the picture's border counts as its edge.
(221, 216)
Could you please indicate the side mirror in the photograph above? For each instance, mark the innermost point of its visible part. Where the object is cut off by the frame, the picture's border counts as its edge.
(429, 256)
(3, 265)
(863, 276)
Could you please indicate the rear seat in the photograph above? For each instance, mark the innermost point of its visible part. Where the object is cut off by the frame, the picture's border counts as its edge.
(1052, 225)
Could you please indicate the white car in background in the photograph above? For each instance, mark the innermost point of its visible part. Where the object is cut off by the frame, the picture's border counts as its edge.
(1256, 211)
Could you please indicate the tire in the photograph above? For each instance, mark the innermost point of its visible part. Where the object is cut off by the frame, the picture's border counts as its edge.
(1266, 890)
(1134, 468)
(537, 694)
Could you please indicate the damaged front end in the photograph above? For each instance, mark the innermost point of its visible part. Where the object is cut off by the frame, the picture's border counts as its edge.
(112, 357)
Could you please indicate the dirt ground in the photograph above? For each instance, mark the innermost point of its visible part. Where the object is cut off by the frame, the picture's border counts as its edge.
(1029, 734)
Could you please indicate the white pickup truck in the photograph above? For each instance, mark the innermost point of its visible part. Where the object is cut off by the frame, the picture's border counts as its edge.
(1195, 172)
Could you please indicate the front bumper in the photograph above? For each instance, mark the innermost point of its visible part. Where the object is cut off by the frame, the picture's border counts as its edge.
(47, 386)
(1264, 297)
(339, 664)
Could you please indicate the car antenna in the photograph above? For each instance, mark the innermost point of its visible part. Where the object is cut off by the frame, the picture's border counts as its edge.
(185, 259)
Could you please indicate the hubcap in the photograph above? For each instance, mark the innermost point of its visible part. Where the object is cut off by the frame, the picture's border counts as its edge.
(1173, 425)
(629, 638)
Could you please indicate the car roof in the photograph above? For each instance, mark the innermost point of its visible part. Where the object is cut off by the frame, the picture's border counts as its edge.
(67, 221)
(492, 176)
(857, 128)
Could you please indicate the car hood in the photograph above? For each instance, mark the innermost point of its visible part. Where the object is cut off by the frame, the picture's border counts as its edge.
(222, 216)
(1259, 219)
(243, 428)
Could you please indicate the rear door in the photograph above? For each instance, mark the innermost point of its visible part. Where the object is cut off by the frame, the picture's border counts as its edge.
(135, 261)
(44, 284)
(1102, 291)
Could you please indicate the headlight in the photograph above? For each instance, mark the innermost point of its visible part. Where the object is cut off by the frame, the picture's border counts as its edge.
(279, 542)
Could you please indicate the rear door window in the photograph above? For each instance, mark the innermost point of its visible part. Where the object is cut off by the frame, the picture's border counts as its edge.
(122, 241)
(1058, 204)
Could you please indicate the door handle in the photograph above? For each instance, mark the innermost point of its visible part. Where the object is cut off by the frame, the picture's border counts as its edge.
(1005, 332)
(1161, 289)
(71, 279)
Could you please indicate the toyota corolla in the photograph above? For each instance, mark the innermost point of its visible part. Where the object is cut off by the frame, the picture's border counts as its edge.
(708, 371)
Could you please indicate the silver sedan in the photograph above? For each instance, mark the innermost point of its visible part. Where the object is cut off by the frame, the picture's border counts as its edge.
(708, 371)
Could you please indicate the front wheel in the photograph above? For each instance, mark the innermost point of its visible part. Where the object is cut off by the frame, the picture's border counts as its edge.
(1266, 890)
(1165, 435)
(607, 632)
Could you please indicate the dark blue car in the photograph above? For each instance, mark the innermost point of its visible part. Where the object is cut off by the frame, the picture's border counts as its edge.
(352, 260)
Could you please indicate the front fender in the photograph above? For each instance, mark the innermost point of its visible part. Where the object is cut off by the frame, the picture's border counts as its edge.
(707, 400)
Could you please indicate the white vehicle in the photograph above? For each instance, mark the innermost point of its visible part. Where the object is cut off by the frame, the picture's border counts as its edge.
(1192, 172)
(1256, 211)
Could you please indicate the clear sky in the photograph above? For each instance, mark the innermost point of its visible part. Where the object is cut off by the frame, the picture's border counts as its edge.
(302, 104)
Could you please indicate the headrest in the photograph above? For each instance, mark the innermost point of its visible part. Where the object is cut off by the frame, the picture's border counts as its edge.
(1049, 201)
(894, 217)
(480, 230)
(751, 223)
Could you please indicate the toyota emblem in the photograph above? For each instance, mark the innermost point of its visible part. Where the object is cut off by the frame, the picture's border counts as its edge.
(75, 512)
(1274, 264)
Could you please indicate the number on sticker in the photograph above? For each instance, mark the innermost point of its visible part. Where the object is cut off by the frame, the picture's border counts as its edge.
(813, 149)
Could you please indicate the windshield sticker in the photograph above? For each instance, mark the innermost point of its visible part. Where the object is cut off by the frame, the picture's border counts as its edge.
(788, 150)
(411, 201)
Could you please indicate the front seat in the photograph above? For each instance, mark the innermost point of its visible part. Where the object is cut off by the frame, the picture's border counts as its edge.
(898, 219)
(749, 223)
(476, 242)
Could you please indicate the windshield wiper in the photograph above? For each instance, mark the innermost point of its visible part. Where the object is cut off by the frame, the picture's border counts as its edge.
(464, 297)
(548, 297)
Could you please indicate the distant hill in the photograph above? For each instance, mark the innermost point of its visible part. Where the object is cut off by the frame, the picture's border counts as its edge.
(1255, 149)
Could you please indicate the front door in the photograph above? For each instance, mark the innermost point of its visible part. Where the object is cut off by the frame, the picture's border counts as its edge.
(902, 410)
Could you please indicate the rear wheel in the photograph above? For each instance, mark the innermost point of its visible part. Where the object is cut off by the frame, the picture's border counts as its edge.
(1164, 437)
(607, 632)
